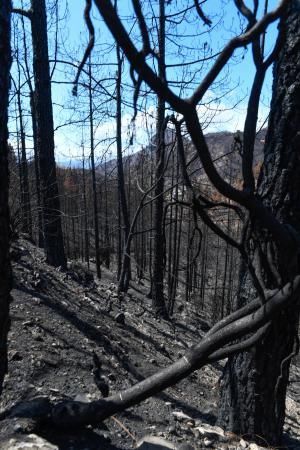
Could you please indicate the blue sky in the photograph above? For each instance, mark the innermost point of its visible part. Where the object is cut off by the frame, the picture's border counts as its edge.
(225, 104)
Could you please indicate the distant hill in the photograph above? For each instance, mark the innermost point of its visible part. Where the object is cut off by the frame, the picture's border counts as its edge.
(220, 145)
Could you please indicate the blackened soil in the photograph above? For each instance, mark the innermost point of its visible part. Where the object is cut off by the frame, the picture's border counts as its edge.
(59, 318)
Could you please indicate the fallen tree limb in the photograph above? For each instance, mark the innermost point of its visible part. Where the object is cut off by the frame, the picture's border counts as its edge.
(254, 318)
(66, 414)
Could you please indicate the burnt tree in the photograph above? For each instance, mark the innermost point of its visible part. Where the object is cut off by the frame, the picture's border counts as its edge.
(53, 238)
(254, 383)
(24, 178)
(94, 183)
(158, 269)
(44, 135)
(269, 247)
(5, 270)
(272, 208)
(125, 274)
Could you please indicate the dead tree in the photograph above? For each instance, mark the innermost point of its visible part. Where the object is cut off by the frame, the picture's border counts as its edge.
(34, 133)
(5, 269)
(157, 280)
(23, 166)
(269, 293)
(255, 383)
(280, 229)
(125, 274)
(94, 184)
(52, 228)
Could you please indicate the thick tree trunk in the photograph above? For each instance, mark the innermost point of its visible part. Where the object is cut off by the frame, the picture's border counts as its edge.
(34, 135)
(53, 238)
(253, 386)
(5, 270)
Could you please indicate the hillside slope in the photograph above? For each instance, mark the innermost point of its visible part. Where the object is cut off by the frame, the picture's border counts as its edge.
(59, 319)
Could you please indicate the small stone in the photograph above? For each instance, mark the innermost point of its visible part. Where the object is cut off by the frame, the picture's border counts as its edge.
(180, 416)
(154, 442)
(254, 446)
(207, 442)
(243, 444)
(152, 361)
(215, 433)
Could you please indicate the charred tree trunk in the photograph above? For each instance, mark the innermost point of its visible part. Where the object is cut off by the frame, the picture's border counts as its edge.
(85, 213)
(94, 184)
(34, 133)
(53, 237)
(157, 289)
(25, 194)
(37, 170)
(5, 269)
(253, 387)
(106, 248)
(125, 275)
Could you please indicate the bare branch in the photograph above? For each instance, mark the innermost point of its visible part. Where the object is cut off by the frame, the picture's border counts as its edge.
(240, 346)
(136, 58)
(23, 12)
(143, 27)
(236, 42)
(90, 46)
(201, 14)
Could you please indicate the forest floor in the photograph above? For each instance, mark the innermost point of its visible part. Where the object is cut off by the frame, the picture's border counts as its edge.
(59, 318)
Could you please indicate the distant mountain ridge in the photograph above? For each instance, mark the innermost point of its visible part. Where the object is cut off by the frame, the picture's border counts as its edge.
(227, 159)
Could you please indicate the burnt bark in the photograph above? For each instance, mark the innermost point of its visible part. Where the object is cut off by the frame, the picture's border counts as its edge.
(157, 287)
(52, 229)
(34, 133)
(25, 191)
(5, 269)
(125, 274)
(253, 386)
(94, 184)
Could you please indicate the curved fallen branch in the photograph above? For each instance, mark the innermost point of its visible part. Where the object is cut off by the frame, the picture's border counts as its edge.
(210, 348)
(217, 344)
